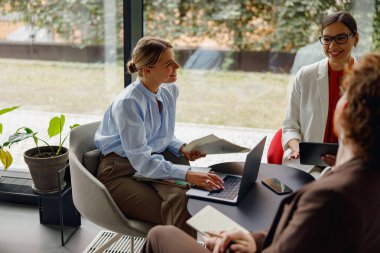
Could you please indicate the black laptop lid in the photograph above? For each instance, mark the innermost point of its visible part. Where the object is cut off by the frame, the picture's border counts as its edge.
(251, 168)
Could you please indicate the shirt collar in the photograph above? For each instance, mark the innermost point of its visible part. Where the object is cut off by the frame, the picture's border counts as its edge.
(147, 92)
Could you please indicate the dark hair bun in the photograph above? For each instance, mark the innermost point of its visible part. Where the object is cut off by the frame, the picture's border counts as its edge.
(131, 67)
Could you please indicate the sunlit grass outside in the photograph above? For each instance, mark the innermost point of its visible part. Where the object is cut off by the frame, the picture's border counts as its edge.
(230, 98)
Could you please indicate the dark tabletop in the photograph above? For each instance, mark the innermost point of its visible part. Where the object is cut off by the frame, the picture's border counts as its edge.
(258, 207)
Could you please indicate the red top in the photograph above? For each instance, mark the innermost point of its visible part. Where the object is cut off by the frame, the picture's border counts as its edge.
(334, 95)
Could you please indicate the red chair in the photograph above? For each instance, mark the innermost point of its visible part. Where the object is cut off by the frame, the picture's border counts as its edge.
(275, 150)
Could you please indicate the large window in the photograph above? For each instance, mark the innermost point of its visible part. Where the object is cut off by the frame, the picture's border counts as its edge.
(58, 57)
(238, 57)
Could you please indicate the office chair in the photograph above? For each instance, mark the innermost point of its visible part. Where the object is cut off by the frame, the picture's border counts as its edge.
(275, 150)
(90, 196)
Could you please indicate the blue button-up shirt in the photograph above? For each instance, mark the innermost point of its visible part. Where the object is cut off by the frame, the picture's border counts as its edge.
(133, 127)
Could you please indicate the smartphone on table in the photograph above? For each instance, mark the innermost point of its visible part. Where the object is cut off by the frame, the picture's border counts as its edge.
(276, 185)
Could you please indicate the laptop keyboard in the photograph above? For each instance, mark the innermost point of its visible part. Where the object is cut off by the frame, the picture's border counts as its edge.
(231, 188)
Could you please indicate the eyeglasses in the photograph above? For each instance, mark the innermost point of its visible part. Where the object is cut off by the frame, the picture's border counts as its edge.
(339, 39)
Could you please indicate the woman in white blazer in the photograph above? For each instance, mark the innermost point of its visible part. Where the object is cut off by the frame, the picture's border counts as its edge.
(307, 117)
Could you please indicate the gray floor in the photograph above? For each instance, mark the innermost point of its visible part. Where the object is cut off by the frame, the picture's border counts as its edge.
(21, 231)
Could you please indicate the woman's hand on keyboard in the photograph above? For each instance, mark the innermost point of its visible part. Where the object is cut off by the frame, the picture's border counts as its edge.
(208, 181)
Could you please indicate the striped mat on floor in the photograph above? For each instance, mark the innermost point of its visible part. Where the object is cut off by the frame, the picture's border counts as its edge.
(120, 246)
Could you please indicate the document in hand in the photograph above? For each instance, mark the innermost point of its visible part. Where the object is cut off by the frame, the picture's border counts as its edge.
(210, 219)
(212, 144)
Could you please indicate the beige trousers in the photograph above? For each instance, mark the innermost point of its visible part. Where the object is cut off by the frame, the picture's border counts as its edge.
(153, 202)
(168, 239)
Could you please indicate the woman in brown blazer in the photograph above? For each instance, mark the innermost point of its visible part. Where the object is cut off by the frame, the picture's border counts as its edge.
(338, 213)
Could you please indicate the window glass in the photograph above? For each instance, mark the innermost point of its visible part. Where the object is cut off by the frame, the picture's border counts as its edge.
(57, 57)
(238, 57)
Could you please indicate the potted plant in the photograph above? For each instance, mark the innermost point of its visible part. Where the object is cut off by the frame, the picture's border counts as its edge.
(44, 162)
(5, 156)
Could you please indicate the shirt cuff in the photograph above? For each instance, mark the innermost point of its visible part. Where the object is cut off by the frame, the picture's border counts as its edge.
(174, 148)
(289, 136)
(179, 171)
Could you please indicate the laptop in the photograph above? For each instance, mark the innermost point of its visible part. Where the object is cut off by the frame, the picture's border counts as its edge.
(235, 186)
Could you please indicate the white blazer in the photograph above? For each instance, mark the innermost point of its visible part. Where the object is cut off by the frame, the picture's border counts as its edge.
(307, 109)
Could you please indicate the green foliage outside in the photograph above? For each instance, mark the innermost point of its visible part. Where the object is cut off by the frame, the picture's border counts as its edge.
(76, 21)
(298, 21)
(283, 25)
(241, 25)
(376, 27)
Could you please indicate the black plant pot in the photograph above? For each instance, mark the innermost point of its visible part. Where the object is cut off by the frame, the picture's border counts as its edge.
(44, 171)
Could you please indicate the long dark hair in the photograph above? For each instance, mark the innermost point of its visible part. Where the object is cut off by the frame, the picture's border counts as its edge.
(342, 16)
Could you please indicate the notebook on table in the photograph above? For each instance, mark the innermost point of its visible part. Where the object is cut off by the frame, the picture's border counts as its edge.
(235, 186)
(210, 219)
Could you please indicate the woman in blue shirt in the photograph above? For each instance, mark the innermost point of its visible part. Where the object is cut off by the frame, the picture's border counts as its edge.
(136, 135)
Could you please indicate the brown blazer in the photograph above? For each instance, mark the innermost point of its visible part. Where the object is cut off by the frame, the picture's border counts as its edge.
(338, 213)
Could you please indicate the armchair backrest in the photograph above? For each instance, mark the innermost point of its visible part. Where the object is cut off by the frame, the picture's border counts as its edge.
(90, 196)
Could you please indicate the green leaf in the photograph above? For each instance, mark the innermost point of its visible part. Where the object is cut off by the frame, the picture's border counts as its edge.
(35, 138)
(56, 125)
(1, 128)
(16, 137)
(26, 129)
(2, 156)
(74, 126)
(9, 109)
(6, 158)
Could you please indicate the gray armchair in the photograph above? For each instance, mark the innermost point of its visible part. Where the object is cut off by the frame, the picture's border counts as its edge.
(90, 196)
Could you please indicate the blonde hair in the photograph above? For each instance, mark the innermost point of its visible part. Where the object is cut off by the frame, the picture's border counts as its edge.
(147, 52)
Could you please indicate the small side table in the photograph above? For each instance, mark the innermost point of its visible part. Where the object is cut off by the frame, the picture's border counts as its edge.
(58, 208)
